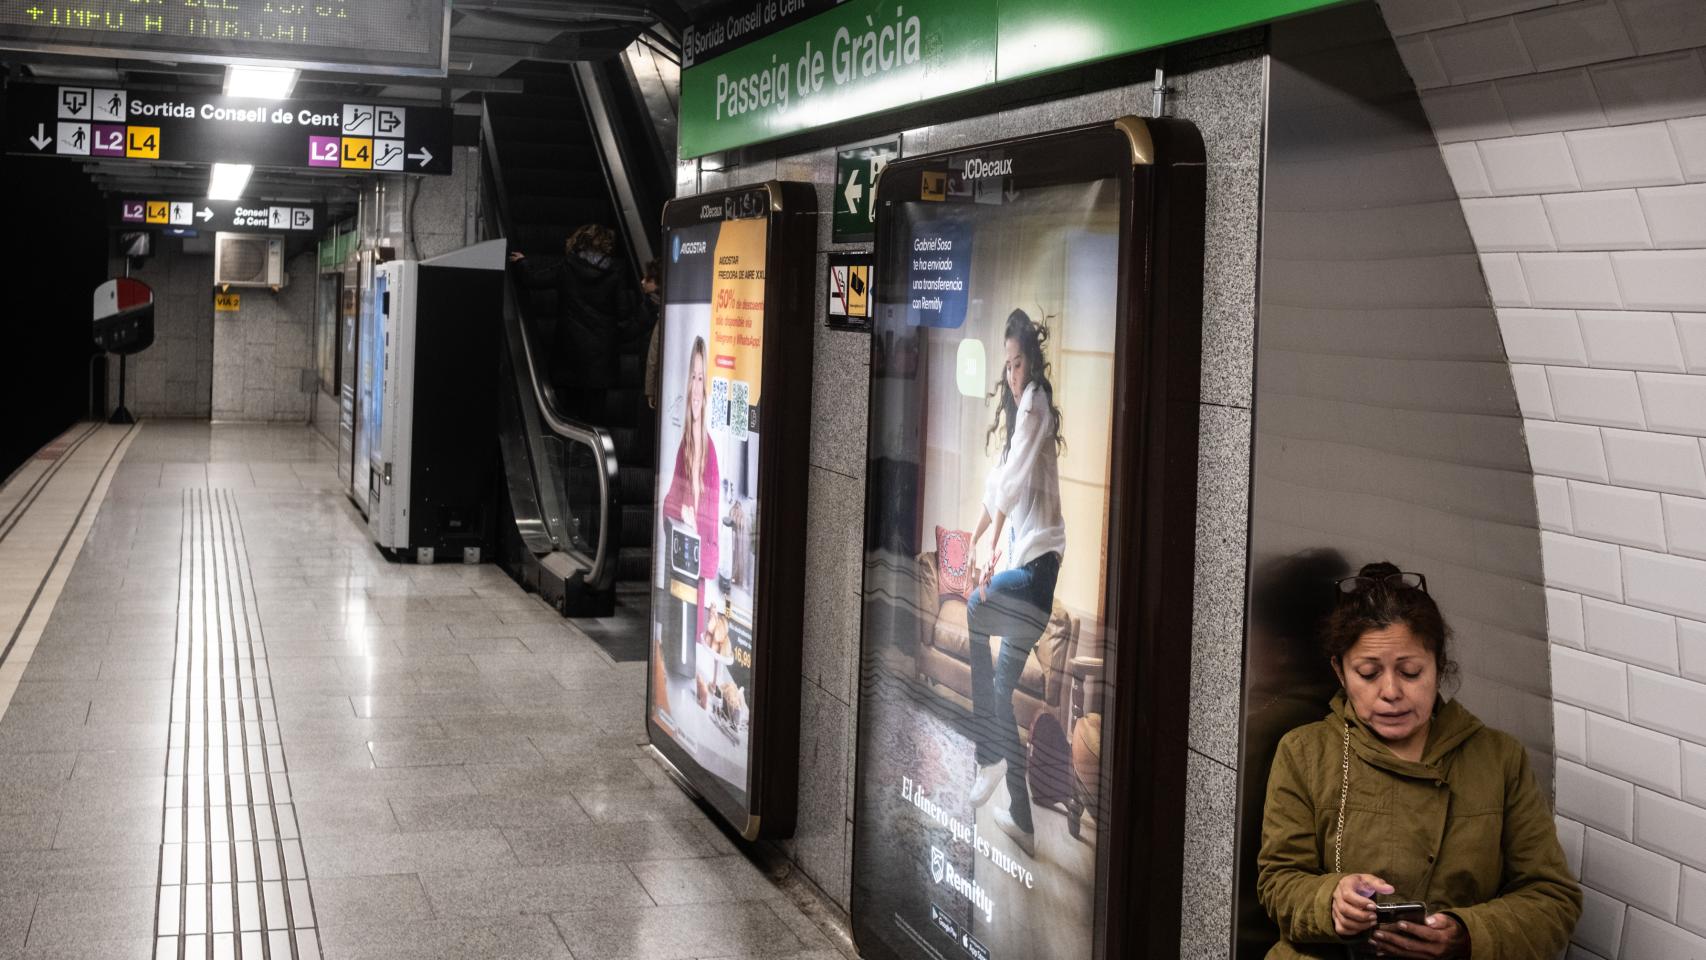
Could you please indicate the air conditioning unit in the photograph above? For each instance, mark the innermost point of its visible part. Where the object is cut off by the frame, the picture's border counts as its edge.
(248, 260)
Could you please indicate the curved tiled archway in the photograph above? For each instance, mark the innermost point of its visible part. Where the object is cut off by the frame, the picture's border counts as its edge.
(1575, 135)
(1386, 423)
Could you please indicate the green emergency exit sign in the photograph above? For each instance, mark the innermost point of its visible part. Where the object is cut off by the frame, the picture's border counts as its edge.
(856, 170)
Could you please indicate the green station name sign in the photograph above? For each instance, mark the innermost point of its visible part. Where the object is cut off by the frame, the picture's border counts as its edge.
(863, 57)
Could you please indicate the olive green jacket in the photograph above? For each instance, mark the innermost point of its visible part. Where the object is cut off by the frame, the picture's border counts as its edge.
(1466, 830)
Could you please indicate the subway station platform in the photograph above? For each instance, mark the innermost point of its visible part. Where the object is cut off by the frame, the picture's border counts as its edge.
(231, 728)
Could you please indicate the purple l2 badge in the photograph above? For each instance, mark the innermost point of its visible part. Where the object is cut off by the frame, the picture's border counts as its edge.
(132, 211)
(323, 151)
(108, 140)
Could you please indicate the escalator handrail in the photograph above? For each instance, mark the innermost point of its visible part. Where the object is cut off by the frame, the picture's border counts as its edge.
(601, 573)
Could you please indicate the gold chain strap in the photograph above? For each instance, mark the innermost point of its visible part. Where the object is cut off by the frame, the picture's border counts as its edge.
(1344, 789)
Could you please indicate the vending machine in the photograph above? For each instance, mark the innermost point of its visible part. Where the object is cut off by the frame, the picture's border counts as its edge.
(365, 396)
(432, 459)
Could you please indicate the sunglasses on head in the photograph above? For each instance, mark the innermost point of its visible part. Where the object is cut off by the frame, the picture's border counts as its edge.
(1401, 580)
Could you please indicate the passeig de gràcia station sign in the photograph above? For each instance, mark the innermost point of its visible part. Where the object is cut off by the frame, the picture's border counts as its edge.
(781, 67)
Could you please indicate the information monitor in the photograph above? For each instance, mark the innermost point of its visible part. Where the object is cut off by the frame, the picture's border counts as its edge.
(391, 36)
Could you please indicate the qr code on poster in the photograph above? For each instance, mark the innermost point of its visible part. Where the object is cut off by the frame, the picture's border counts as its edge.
(719, 403)
(738, 408)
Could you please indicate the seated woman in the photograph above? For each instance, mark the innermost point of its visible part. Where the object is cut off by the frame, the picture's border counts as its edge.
(1400, 795)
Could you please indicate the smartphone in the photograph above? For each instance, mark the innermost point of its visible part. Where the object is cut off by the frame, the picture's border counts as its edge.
(1414, 911)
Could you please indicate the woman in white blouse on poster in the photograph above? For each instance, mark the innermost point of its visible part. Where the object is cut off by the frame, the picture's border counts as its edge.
(1021, 501)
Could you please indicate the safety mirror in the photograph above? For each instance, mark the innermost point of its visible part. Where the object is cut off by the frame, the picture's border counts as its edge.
(124, 316)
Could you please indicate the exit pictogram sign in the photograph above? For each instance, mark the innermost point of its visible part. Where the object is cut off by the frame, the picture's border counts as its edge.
(856, 170)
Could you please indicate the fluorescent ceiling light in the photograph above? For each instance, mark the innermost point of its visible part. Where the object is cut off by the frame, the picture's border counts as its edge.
(261, 83)
(229, 180)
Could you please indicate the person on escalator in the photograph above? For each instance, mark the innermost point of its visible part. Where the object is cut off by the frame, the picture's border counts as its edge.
(651, 308)
(595, 298)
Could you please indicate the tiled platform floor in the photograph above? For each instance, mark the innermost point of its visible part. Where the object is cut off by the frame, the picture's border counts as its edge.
(465, 767)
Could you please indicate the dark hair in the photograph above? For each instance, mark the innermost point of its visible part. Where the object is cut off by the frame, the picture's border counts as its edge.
(1030, 337)
(591, 237)
(651, 271)
(1382, 605)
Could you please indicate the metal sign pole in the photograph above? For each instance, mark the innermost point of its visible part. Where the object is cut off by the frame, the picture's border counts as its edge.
(120, 413)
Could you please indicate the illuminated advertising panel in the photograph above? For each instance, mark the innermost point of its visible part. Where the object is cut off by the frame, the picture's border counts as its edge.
(734, 367)
(1027, 593)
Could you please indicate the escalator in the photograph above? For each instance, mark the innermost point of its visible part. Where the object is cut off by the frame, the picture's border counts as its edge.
(561, 474)
(581, 477)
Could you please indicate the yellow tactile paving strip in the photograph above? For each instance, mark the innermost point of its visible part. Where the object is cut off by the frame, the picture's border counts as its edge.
(232, 877)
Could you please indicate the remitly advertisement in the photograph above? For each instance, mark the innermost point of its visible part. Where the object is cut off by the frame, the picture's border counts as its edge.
(1009, 330)
(722, 404)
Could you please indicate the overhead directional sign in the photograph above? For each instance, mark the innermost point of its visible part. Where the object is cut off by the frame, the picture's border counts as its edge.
(393, 36)
(115, 124)
(230, 216)
(856, 170)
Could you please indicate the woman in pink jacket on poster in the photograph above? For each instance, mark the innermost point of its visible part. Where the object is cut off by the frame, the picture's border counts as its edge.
(693, 494)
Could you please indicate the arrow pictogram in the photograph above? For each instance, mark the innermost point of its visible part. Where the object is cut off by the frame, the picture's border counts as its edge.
(41, 139)
(205, 213)
(854, 191)
(424, 156)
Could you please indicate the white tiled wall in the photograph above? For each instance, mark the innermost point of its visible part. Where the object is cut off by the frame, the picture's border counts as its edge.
(1575, 133)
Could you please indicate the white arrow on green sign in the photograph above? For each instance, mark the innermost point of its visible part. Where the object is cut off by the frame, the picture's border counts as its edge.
(856, 170)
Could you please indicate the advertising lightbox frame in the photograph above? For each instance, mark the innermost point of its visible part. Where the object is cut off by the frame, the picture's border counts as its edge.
(1150, 510)
(784, 430)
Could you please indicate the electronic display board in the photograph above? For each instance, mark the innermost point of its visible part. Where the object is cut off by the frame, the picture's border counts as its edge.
(1030, 519)
(389, 36)
(733, 427)
(96, 123)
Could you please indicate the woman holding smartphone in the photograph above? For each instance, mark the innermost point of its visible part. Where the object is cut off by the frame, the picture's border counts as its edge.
(1021, 503)
(1401, 795)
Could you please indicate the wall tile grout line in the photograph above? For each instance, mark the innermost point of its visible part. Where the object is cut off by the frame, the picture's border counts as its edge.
(232, 883)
